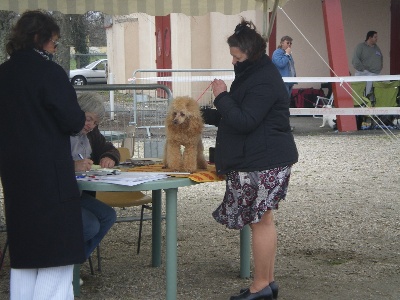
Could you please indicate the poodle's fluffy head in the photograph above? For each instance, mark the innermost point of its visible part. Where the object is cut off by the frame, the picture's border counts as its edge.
(183, 109)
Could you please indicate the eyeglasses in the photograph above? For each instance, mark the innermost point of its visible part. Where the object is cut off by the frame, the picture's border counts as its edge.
(55, 43)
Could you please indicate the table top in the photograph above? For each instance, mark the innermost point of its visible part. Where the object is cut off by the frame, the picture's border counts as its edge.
(167, 183)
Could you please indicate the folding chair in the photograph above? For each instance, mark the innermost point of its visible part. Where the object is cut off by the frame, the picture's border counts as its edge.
(360, 100)
(321, 101)
(124, 200)
(358, 94)
(385, 93)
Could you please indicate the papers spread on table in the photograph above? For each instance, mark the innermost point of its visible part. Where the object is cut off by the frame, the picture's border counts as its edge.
(126, 178)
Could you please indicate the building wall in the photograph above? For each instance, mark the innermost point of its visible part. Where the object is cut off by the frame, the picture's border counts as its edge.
(222, 27)
(181, 41)
(359, 17)
(130, 45)
(201, 42)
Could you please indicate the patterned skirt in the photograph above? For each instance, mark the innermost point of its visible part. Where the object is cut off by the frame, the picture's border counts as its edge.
(249, 194)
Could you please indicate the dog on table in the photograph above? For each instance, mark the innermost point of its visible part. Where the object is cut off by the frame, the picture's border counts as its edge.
(329, 119)
(184, 126)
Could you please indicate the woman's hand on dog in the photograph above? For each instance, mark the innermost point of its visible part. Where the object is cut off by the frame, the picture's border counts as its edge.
(218, 86)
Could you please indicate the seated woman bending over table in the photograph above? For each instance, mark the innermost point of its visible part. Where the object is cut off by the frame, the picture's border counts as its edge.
(90, 147)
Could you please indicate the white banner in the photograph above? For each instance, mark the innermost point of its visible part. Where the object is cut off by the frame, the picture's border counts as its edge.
(351, 111)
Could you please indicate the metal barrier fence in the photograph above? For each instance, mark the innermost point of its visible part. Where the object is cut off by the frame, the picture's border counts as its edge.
(185, 82)
(137, 125)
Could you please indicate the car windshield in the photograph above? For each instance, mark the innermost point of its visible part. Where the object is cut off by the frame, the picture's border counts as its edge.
(91, 65)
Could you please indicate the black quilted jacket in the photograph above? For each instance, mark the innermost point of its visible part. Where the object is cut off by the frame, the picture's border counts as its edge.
(253, 122)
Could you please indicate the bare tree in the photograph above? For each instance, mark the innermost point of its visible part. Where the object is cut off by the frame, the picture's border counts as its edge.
(78, 35)
(86, 30)
(62, 56)
(78, 31)
(7, 19)
(95, 27)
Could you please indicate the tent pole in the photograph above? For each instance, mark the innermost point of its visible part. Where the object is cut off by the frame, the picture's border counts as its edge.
(336, 44)
(272, 19)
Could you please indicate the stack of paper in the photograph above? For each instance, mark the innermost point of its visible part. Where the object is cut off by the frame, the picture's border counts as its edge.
(126, 178)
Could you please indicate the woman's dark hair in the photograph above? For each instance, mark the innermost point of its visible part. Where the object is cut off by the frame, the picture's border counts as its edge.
(370, 34)
(248, 40)
(32, 30)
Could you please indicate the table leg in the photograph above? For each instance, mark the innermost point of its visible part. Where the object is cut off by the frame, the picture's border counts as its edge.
(171, 260)
(245, 252)
(156, 229)
(75, 280)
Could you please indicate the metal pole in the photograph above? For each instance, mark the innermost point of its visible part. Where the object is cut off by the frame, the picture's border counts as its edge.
(111, 81)
(273, 15)
(245, 242)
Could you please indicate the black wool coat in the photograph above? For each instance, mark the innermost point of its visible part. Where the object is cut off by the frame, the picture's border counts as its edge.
(253, 121)
(38, 113)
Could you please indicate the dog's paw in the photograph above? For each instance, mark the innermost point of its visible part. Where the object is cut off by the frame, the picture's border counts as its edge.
(202, 165)
(322, 126)
(188, 169)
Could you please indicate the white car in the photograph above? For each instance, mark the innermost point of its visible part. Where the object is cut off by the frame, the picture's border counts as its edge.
(94, 72)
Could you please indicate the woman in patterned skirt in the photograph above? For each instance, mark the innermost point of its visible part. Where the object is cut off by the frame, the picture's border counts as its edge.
(255, 149)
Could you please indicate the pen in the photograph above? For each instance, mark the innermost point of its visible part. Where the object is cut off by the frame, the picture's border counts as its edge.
(80, 156)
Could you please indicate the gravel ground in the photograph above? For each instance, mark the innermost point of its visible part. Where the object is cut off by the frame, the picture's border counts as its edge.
(339, 231)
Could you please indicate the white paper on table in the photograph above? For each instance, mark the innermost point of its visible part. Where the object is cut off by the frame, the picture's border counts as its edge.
(127, 178)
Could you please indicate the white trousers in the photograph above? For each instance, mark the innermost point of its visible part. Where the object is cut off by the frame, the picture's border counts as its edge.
(368, 87)
(42, 284)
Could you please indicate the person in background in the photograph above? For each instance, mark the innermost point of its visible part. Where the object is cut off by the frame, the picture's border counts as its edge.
(255, 149)
(90, 147)
(368, 59)
(38, 113)
(284, 62)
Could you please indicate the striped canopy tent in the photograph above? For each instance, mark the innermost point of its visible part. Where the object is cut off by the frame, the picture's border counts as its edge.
(150, 7)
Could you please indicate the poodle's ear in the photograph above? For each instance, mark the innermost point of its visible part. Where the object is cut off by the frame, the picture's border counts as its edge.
(196, 123)
(168, 117)
(193, 107)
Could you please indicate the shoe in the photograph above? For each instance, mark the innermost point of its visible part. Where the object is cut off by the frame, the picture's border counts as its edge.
(274, 287)
(80, 281)
(264, 294)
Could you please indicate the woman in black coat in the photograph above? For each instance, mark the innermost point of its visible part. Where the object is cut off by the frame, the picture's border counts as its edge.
(38, 113)
(255, 149)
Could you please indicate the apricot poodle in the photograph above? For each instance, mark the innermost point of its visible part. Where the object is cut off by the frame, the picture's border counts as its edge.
(184, 126)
